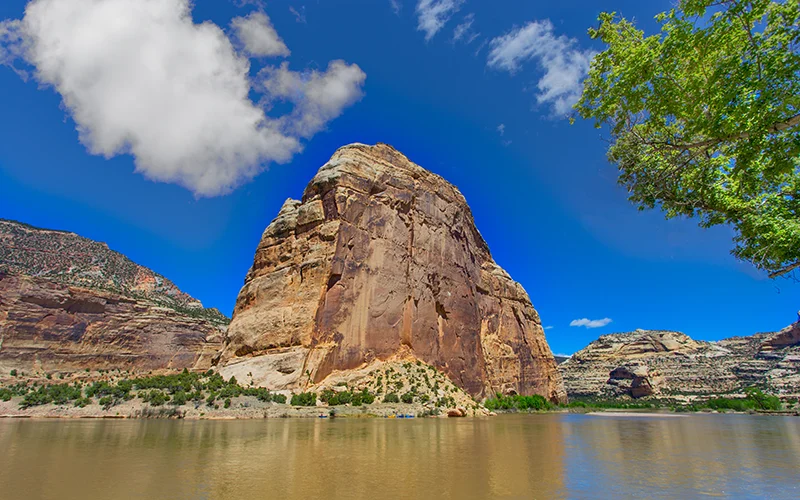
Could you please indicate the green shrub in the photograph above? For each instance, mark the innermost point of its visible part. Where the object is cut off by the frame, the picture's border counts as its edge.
(279, 398)
(367, 398)
(106, 402)
(14, 373)
(407, 397)
(156, 397)
(304, 399)
(517, 402)
(391, 398)
(228, 403)
(180, 398)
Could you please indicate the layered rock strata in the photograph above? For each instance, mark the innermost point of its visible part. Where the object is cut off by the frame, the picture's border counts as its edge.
(670, 364)
(47, 326)
(381, 258)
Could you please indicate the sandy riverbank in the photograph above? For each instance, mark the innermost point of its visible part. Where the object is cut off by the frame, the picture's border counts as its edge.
(241, 408)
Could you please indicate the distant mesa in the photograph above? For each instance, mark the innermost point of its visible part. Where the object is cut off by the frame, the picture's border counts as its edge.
(381, 261)
(672, 365)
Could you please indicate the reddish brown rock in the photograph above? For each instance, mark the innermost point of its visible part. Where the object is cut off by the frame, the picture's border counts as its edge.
(48, 326)
(382, 258)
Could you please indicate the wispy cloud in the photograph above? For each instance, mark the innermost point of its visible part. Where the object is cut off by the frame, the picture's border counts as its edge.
(190, 123)
(434, 14)
(464, 32)
(564, 64)
(396, 6)
(590, 323)
(299, 15)
(259, 37)
(501, 129)
(548, 328)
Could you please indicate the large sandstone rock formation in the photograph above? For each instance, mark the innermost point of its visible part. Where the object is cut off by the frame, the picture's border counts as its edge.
(48, 326)
(380, 259)
(670, 364)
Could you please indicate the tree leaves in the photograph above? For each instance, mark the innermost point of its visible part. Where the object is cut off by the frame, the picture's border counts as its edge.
(705, 118)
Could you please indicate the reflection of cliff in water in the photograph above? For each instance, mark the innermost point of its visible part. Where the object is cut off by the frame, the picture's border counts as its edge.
(510, 456)
(287, 459)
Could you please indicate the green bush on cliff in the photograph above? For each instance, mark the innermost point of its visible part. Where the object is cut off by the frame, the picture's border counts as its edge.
(13, 373)
(106, 402)
(304, 399)
(279, 398)
(155, 397)
(391, 398)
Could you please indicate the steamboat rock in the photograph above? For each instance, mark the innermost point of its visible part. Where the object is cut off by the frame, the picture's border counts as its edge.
(381, 260)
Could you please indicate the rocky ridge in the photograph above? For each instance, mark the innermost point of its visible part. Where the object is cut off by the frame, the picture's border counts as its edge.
(73, 260)
(381, 260)
(71, 304)
(672, 365)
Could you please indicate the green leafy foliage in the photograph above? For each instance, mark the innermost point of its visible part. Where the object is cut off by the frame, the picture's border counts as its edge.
(517, 402)
(57, 394)
(304, 399)
(391, 398)
(705, 119)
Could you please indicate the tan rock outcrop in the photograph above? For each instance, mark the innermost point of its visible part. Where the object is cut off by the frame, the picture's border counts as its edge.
(670, 364)
(48, 326)
(381, 255)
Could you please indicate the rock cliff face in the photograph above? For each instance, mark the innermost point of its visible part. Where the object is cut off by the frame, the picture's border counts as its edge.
(670, 364)
(48, 326)
(381, 259)
(77, 261)
(69, 303)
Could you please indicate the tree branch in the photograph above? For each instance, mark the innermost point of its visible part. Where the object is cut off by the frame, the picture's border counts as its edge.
(778, 127)
(785, 270)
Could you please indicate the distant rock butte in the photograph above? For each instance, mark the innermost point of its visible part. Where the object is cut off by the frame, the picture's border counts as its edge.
(381, 260)
(670, 364)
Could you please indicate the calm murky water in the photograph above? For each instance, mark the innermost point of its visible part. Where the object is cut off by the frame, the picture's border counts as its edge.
(515, 456)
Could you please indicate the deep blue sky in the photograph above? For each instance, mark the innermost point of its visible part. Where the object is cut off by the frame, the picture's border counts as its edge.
(547, 203)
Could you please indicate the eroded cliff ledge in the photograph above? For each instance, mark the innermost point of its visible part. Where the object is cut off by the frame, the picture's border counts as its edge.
(381, 260)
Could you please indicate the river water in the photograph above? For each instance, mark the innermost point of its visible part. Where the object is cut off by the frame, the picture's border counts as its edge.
(509, 456)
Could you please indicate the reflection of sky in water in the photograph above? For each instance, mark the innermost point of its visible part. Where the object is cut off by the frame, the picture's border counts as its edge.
(514, 456)
(731, 456)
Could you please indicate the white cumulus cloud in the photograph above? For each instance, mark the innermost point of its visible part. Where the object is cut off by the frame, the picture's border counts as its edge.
(434, 14)
(140, 77)
(318, 97)
(590, 323)
(258, 36)
(565, 65)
